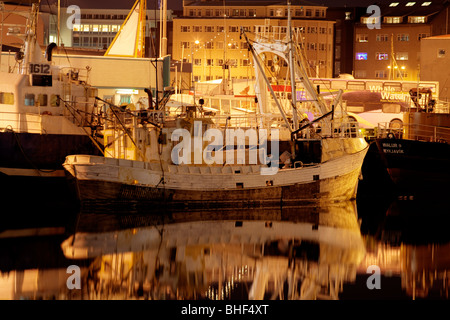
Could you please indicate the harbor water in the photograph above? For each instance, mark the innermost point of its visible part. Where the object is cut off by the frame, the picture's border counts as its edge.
(372, 248)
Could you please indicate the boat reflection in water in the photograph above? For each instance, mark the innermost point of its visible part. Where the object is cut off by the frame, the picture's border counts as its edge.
(304, 252)
(294, 253)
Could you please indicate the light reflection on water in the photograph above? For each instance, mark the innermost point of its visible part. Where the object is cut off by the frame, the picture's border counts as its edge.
(291, 253)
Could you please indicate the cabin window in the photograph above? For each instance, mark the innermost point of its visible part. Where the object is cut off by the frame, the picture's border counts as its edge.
(54, 100)
(29, 99)
(6, 98)
(42, 100)
(125, 99)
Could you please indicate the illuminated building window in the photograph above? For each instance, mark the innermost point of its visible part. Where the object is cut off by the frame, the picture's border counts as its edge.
(410, 4)
(426, 4)
(394, 4)
(401, 56)
(370, 20)
(382, 56)
(362, 37)
(417, 19)
(393, 19)
(361, 56)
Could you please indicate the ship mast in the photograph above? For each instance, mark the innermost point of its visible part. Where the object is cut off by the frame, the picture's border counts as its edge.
(292, 70)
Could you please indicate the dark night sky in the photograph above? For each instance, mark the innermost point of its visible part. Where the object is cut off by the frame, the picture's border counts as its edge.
(178, 4)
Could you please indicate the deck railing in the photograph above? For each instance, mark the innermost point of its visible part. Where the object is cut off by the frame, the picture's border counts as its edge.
(415, 132)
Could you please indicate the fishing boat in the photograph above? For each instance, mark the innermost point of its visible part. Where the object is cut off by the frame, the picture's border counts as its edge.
(417, 155)
(46, 114)
(282, 159)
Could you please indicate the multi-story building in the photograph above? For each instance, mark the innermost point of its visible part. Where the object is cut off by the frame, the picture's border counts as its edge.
(96, 28)
(435, 63)
(387, 46)
(208, 35)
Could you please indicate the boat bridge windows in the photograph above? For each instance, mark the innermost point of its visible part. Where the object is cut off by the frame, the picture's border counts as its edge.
(6, 98)
(41, 100)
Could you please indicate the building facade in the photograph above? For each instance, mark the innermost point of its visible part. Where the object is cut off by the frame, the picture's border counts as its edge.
(208, 35)
(96, 28)
(387, 46)
(435, 63)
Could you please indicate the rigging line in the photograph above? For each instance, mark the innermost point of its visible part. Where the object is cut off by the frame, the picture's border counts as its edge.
(126, 131)
(80, 125)
(13, 10)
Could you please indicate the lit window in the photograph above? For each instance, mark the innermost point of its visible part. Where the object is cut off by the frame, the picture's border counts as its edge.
(362, 37)
(393, 4)
(410, 4)
(426, 4)
(401, 56)
(370, 20)
(361, 56)
(382, 56)
(393, 19)
(417, 19)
